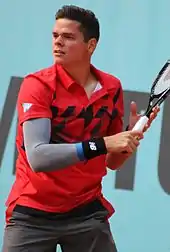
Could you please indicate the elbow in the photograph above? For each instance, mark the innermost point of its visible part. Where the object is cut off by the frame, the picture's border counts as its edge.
(35, 166)
(35, 162)
(37, 169)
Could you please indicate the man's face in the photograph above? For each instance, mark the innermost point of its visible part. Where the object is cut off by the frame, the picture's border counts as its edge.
(69, 47)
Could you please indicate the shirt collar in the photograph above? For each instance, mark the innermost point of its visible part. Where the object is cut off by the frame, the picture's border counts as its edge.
(104, 78)
(64, 76)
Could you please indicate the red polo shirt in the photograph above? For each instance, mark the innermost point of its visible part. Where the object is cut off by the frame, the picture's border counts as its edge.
(52, 93)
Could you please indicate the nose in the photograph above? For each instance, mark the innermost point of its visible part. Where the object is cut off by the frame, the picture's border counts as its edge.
(59, 41)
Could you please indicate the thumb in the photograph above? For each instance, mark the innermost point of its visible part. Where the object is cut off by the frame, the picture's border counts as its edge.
(133, 108)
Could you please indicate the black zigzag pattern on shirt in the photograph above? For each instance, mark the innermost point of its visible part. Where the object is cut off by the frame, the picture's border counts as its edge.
(101, 111)
(54, 111)
(115, 98)
(70, 110)
(87, 115)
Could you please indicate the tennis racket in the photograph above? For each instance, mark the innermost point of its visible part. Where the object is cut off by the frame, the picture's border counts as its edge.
(159, 92)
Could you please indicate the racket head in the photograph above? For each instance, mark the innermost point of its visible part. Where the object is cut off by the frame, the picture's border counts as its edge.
(159, 87)
(162, 81)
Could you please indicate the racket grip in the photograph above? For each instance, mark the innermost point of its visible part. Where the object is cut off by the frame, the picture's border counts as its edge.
(141, 123)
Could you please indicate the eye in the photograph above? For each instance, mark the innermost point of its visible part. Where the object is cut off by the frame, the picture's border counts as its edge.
(68, 36)
(55, 35)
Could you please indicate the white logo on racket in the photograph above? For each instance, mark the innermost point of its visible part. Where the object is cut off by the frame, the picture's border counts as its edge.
(92, 146)
(167, 76)
(163, 82)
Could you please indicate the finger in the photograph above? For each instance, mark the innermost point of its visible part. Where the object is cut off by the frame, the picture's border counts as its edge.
(152, 116)
(128, 150)
(136, 141)
(156, 109)
(133, 108)
(132, 144)
(131, 137)
(136, 133)
(146, 127)
(140, 137)
(131, 147)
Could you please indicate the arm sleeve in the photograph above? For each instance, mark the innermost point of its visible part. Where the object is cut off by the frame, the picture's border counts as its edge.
(116, 125)
(43, 156)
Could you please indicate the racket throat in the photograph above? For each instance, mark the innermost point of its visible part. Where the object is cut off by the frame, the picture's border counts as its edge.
(148, 111)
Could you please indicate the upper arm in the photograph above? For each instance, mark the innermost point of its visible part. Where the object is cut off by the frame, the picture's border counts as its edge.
(34, 100)
(116, 124)
(36, 132)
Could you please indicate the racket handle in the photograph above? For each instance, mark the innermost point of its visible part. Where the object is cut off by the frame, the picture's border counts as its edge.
(141, 123)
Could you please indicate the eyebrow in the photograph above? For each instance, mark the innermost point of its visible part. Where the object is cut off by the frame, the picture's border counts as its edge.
(64, 33)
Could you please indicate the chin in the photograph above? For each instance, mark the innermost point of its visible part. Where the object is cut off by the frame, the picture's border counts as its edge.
(62, 62)
(58, 60)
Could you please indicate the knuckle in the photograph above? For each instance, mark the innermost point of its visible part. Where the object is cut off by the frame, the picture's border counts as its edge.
(124, 145)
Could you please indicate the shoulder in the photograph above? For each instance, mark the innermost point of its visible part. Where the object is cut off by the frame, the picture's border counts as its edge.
(42, 82)
(47, 72)
(45, 77)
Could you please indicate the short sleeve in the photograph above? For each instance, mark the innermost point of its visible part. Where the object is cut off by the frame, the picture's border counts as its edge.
(34, 100)
(116, 125)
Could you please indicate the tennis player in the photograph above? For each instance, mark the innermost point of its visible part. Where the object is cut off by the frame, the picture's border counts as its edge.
(69, 131)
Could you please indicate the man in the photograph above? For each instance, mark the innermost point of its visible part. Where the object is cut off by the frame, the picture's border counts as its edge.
(70, 130)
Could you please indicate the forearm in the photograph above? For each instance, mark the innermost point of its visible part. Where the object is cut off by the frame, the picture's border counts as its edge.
(50, 157)
(116, 160)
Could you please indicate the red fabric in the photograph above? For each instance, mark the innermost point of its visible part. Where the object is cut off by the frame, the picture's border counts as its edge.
(52, 93)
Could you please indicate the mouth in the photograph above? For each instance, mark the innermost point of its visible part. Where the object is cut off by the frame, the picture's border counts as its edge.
(59, 53)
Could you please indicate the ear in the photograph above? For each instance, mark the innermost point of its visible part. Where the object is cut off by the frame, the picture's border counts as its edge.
(92, 43)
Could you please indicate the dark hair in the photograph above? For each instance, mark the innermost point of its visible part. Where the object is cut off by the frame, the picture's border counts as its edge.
(89, 24)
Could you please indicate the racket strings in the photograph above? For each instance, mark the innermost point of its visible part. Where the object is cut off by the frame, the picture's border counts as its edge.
(163, 82)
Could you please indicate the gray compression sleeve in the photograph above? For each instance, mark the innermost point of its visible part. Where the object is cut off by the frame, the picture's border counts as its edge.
(41, 155)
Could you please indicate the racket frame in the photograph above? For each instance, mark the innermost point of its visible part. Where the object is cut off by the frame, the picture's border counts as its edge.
(161, 95)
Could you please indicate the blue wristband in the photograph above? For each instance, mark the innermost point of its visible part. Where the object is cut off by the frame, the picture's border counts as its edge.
(80, 152)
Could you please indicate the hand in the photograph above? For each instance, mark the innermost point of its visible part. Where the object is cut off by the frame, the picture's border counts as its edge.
(153, 115)
(123, 142)
(134, 116)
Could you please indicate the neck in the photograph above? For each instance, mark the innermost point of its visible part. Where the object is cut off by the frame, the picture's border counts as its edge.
(80, 73)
